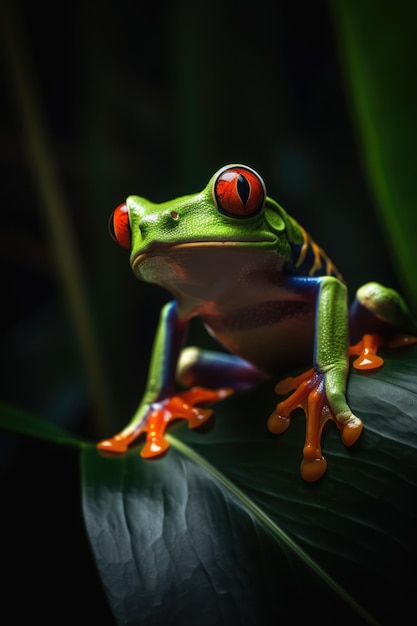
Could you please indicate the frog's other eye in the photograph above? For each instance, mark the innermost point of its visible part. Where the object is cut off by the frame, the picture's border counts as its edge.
(239, 191)
(119, 226)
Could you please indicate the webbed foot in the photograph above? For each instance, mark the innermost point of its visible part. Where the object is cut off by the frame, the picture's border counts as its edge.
(366, 349)
(309, 393)
(182, 405)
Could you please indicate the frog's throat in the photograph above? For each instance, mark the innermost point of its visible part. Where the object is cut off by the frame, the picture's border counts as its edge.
(167, 248)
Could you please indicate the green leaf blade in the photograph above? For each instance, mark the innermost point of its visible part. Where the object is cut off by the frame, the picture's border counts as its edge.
(25, 423)
(224, 528)
(181, 543)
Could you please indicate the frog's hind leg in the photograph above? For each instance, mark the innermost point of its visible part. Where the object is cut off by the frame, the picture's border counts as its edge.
(162, 403)
(216, 369)
(208, 377)
(156, 416)
(379, 317)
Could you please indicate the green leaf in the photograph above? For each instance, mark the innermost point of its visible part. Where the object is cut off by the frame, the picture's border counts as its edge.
(224, 530)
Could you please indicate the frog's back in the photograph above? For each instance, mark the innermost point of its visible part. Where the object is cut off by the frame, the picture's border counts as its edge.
(305, 257)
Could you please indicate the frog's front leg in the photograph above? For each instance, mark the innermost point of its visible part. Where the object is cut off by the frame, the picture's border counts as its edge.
(161, 402)
(321, 390)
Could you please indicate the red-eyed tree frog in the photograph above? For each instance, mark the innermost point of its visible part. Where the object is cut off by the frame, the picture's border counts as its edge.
(268, 294)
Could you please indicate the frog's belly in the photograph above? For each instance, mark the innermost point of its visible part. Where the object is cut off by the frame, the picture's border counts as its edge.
(274, 336)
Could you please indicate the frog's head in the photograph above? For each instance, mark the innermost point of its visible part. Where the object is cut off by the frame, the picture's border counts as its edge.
(233, 210)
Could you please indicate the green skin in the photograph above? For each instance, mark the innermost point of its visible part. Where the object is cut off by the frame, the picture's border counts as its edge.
(239, 276)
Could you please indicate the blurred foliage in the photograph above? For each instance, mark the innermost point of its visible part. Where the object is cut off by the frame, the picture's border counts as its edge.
(377, 46)
(152, 98)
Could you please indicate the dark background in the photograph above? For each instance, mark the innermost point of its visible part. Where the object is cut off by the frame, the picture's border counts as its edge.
(147, 98)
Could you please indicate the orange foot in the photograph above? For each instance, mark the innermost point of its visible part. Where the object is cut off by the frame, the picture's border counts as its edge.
(366, 349)
(161, 414)
(309, 394)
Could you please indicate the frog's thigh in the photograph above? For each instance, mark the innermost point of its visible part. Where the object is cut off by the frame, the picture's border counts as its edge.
(216, 369)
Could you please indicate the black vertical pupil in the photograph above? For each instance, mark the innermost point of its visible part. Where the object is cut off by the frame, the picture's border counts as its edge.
(243, 188)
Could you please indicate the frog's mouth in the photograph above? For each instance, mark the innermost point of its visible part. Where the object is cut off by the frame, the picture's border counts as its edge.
(165, 250)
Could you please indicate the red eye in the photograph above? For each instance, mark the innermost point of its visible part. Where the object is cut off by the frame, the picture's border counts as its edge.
(119, 226)
(239, 192)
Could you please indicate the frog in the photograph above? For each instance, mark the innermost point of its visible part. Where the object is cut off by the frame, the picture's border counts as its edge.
(271, 299)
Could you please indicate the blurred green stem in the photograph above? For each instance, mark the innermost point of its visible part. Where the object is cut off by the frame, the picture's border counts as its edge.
(52, 200)
(378, 51)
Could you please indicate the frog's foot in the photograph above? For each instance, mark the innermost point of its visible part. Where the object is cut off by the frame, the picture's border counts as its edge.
(366, 349)
(309, 393)
(160, 414)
